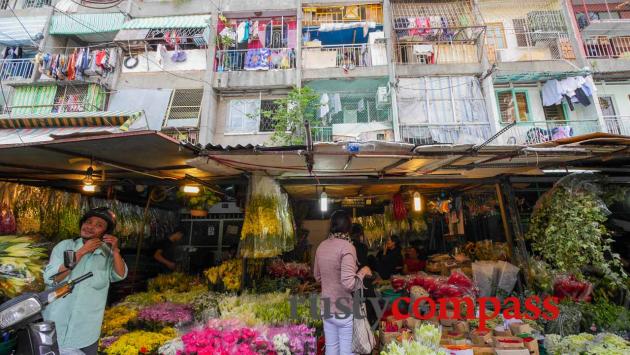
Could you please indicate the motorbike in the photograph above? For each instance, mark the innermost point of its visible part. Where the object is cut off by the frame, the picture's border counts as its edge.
(22, 315)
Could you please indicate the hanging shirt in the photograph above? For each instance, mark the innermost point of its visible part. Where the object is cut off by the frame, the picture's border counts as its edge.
(336, 104)
(551, 93)
(324, 108)
(240, 32)
(589, 86)
(78, 316)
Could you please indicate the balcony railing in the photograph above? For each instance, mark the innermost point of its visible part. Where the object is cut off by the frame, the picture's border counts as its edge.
(536, 132)
(425, 134)
(35, 3)
(186, 135)
(519, 46)
(322, 134)
(607, 47)
(347, 56)
(16, 69)
(436, 53)
(618, 125)
(255, 59)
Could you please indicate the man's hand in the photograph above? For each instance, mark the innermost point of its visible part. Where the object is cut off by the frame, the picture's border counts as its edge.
(171, 265)
(113, 241)
(88, 247)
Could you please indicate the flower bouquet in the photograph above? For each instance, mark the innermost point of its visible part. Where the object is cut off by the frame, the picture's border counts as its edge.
(140, 342)
(116, 318)
(176, 281)
(278, 268)
(229, 273)
(243, 341)
(293, 339)
(166, 313)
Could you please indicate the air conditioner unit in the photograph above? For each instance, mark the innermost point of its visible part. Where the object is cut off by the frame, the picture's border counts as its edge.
(382, 97)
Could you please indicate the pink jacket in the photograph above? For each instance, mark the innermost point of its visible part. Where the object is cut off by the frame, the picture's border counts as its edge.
(336, 268)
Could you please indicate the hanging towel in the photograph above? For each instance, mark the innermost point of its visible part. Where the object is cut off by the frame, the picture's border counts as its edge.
(240, 32)
(551, 93)
(361, 105)
(324, 105)
(336, 104)
(589, 86)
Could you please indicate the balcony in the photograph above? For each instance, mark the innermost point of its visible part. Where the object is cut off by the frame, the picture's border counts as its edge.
(536, 132)
(16, 69)
(148, 62)
(607, 47)
(530, 46)
(455, 133)
(255, 59)
(618, 125)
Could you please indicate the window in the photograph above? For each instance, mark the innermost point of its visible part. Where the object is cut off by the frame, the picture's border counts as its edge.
(267, 124)
(244, 116)
(4, 4)
(513, 106)
(554, 113)
(523, 38)
(495, 35)
(185, 104)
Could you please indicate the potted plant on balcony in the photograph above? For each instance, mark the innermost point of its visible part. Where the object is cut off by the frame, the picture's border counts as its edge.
(198, 204)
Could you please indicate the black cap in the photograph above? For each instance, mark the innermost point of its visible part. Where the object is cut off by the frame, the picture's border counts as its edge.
(103, 213)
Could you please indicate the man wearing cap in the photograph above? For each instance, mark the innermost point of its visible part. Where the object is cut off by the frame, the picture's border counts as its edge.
(79, 315)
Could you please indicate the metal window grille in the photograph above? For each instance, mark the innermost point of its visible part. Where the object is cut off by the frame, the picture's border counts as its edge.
(513, 106)
(554, 113)
(267, 124)
(35, 3)
(190, 135)
(315, 16)
(184, 104)
(4, 4)
(77, 99)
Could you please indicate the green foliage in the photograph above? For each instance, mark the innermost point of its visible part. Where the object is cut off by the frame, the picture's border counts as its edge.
(299, 106)
(567, 230)
(605, 316)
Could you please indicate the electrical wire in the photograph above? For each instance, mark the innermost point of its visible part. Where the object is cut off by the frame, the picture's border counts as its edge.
(24, 27)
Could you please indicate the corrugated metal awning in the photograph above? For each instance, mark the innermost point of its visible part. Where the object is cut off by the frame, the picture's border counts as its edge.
(34, 135)
(70, 119)
(196, 21)
(13, 34)
(61, 24)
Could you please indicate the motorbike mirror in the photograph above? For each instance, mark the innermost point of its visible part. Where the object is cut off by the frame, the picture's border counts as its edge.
(69, 259)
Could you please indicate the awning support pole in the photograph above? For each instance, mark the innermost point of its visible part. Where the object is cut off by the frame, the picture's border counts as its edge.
(141, 237)
(506, 228)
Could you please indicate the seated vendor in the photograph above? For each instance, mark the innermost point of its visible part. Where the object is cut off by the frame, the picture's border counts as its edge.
(413, 263)
(390, 260)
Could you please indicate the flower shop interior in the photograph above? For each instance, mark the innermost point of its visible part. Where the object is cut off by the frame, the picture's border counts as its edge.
(502, 222)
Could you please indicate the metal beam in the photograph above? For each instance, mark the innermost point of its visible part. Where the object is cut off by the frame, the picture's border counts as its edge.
(115, 164)
(444, 179)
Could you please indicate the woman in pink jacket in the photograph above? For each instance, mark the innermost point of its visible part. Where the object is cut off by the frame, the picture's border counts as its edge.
(336, 268)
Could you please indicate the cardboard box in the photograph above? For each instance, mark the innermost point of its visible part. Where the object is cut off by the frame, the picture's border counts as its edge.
(461, 327)
(483, 350)
(520, 328)
(531, 344)
(511, 351)
(500, 331)
(508, 342)
(480, 338)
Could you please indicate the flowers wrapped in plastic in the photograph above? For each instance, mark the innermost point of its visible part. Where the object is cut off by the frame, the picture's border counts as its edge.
(229, 273)
(21, 264)
(140, 342)
(268, 229)
(166, 313)
(278, 268)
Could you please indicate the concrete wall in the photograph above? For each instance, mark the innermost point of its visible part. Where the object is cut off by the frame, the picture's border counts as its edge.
(318, 232)
(250, 79)
(151, 8)
(147, 62)
(620, 93)
(222, 116)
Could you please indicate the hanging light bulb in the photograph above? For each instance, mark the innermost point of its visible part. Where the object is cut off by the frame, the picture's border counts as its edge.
(88, 181)
(323, 201)
(417, 202)
(191, 189)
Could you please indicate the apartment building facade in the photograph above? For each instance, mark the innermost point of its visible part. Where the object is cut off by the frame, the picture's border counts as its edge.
(416, 71)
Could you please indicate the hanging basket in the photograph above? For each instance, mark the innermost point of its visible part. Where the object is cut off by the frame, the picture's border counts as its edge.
(198, 213)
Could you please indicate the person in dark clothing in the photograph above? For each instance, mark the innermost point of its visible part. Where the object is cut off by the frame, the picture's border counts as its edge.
(165, 252)
(362, 259)
(390, 260)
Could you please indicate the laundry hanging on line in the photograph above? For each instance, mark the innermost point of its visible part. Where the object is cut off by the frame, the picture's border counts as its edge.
(78, 64)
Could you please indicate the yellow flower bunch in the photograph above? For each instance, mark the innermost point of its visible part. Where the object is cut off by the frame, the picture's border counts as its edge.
(176, 281)
(140, 342)
(20, 258)
(116, 318)
(229, 272)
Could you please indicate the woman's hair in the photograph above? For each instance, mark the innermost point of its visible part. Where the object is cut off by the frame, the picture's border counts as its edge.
(340, 222)
(357, 231)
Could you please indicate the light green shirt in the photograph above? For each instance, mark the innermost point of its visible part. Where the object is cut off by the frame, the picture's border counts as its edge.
(79, 315)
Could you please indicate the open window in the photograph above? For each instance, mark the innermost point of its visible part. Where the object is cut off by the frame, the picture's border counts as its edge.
(513, 106)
